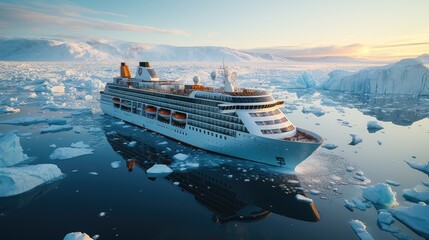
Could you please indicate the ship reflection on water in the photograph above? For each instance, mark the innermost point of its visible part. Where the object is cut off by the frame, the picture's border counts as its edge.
(225, 189)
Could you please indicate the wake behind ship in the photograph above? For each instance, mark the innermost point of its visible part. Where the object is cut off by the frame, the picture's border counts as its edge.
(243, 123)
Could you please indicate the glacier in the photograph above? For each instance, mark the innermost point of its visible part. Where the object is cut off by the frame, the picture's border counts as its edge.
(408, 76)
(16, 180)
(11, 150)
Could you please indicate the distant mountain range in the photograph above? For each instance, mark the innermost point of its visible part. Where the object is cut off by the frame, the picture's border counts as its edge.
(21, 49)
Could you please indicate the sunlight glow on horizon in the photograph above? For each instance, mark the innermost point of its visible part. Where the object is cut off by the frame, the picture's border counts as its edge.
(368, 29)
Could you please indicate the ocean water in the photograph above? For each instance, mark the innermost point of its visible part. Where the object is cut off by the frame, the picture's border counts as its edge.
(207, 196)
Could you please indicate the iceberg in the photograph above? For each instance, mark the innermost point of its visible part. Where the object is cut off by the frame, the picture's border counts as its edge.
(115, 164)
(305, 80)
(68, 152)
(355, 139)
(408, 76)
(16, 180)
(373, 126)
(79, 144)
(417, 194)
(423, 167)
(381, 194)
(11, 150)
(77, 236)
(415, 217)
(159, 170)
(360, 229)
(56, 128)
(329, 146)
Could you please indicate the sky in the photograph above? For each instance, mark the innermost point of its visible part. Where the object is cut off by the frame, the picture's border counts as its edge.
(364, 28)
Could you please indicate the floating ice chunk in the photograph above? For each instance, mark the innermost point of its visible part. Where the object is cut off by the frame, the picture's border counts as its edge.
(16, 180)
(415, 217)
(302, 198)
(93, 173)
(11, 152)
(132, 144)
(417, 194)
(359, 204)
(335, 178)
(102, 214)
(77, 129)
(385, 218)
(381, 194)
(329, 146)
(373, 126)
(77, 236)
(349, 205)
(24, 121)
(115, 164)
(317, 111)
(79, 145)
(360, 229)
(350, 169)
(159, 170)
(96, 236)
(41, 88)
(393, 183)
(355, 139)
(56, 121)
(293, 181)
(56, 128)
(7, 109)
(176, 183)
(329, 102)
(95, 129)
(180, 157)
(423, 167)
(359, 173)
(53, 145)
(314, 192)
(163, 143)
(57, 89)
(68, 152)
(379, 142)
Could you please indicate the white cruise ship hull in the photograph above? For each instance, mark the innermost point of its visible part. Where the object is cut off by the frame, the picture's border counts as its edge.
(287, 154)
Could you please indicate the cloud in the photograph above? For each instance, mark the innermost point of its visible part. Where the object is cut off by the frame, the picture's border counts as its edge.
(67, 16)
(297, 51)
(401, 45)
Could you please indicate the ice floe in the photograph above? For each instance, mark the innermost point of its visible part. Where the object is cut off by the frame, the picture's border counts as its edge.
(385, 218)
(56, 128)
(79, 144)
(360, 229)
(7, 109)
(16, 180)
(329, 146)
(419, 193)
(77, 236)
(373, 126)
(180, 156)
(159, 170)
(56, 121)
(421, 167)
(69, 152)
(115, 164)
(393, 183)
(415, 217)
(317, 111)
(355, 139)
(302, 198)
(93, 173)
(356, 203)
(381, 194)
(132, 144)
(24, 121)
(11, 152)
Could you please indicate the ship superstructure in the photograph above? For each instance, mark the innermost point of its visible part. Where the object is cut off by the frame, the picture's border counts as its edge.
(243, 123)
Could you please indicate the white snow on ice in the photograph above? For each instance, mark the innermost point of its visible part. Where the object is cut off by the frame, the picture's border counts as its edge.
(360, 229)
(159, 170)
(68, 152)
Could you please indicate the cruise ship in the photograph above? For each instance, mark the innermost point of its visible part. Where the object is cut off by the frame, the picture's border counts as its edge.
(242, 123)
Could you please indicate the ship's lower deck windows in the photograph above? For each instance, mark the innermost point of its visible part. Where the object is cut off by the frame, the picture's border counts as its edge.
(265, 114)
(276, 131)
(271, 122)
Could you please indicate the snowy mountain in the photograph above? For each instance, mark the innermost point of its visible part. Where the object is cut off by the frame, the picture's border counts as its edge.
(106, 50)
(408, 76)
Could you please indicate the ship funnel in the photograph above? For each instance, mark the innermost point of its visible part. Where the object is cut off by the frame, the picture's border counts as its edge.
(125, 71)
(145, 72)
(144, 64)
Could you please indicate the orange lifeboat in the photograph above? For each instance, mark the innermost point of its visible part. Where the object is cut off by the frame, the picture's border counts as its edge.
(116, 100)
(164, 113)
(150, 109)
(179, 117)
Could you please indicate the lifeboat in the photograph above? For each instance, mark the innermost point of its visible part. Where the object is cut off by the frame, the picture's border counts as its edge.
(150, 109)
(164, 113)
(116, 100)
(179, 117)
